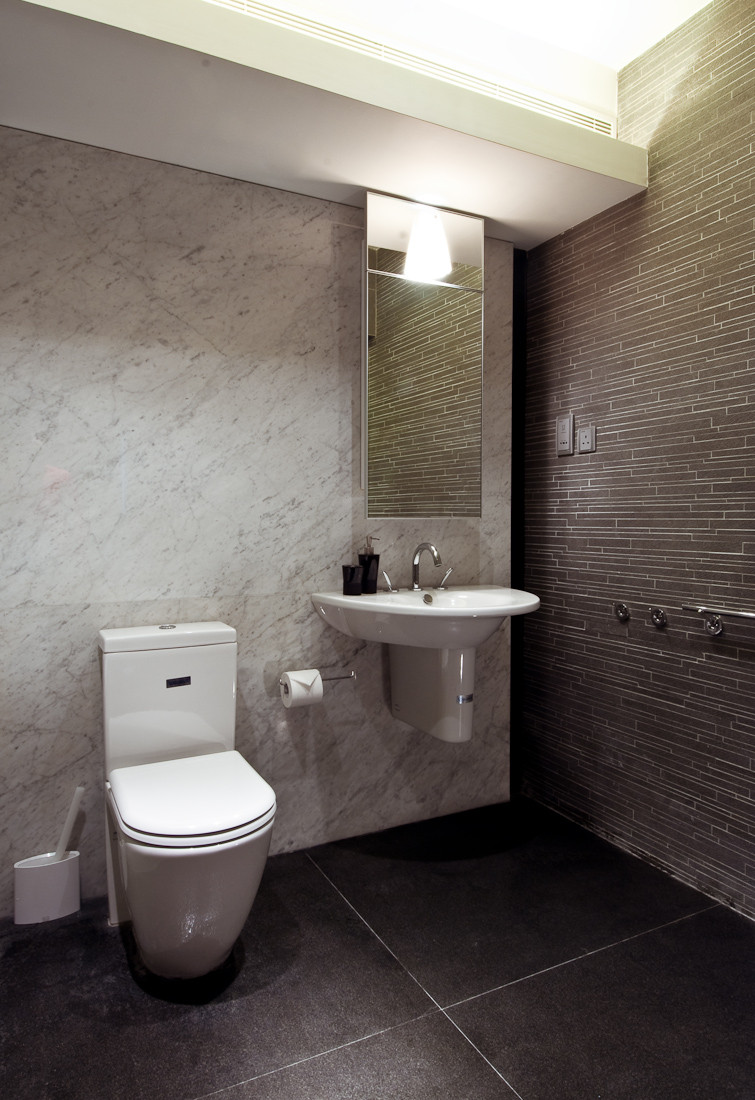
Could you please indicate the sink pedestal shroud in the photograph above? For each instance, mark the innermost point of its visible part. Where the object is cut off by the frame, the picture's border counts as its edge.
(433, 689)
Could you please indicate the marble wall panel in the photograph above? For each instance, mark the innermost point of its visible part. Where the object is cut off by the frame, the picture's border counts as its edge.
(180, 364)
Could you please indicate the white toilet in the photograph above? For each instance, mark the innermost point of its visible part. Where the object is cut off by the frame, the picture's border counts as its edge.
(189, 820)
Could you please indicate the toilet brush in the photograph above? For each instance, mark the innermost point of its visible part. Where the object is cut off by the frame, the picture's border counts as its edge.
(65, 836)
(47, 886)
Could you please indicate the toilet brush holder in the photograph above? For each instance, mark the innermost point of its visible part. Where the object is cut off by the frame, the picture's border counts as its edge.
(46, 887)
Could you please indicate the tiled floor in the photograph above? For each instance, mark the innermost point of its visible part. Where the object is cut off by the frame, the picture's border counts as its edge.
(494, 954)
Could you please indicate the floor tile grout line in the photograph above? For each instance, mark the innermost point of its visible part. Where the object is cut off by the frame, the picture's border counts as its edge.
(579, 958)
(436, 1010)
(477, 1050)
(406, 970)
(525, 977)
(322, 1054)
(556, 966)
(372, 931)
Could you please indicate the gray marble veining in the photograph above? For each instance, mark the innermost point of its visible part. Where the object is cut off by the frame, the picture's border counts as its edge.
(180, 359)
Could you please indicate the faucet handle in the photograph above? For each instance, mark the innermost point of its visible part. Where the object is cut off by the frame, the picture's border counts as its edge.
(388, 582)
(443, 582)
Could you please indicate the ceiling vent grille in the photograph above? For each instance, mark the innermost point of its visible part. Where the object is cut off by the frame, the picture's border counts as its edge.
(393, 56)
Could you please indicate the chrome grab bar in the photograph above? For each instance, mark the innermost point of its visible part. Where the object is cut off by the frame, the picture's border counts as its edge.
(714, 616)
(717, 611)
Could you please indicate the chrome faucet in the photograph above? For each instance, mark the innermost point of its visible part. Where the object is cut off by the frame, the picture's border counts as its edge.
(415, 562)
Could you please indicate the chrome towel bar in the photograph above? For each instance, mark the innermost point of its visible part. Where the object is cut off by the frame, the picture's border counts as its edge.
(714, 616)
(717, 611)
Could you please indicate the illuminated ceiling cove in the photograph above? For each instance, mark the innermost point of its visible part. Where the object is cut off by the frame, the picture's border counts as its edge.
(212, 86)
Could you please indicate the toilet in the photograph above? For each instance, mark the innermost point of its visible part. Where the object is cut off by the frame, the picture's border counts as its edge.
(188, 819)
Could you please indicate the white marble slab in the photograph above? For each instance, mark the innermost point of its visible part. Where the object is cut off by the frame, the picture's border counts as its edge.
(180, 358)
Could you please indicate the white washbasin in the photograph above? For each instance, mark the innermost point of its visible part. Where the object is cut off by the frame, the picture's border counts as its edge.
(449, 618)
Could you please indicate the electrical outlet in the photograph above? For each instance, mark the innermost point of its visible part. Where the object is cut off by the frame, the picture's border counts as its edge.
(586, 440)
(565, 434)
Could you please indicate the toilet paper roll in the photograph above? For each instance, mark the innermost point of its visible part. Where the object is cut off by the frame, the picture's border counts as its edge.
(301, 688)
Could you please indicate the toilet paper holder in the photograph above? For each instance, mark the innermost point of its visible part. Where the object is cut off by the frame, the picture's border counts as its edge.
(340, 676)
(323, 676)
(335, 676)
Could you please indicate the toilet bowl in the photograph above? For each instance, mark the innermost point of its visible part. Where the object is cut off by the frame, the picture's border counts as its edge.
(189, 820)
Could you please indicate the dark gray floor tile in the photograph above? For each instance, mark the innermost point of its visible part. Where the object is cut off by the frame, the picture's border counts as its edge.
(669, 1015)
(487, 896)
(77, 1023)
(424, 1060)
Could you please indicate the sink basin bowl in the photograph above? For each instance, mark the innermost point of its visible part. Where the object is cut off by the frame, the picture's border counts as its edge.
(449, 618)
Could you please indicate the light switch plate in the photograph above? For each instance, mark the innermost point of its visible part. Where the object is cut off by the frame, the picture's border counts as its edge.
(565, 434)
(586, 440)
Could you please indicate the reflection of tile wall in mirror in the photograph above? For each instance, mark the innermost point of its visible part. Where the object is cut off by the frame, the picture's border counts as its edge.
(424, 383)
(424, 400)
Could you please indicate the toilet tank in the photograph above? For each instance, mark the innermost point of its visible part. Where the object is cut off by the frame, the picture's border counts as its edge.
(168, 692)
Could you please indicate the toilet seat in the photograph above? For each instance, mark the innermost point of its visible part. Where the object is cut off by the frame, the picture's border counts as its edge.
(192, 802)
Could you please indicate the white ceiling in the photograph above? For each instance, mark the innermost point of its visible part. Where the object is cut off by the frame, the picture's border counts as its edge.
(277, 109)
(611, 32)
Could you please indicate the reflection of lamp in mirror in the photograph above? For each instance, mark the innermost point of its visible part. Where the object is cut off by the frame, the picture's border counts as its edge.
(427, 257)
(422, 386)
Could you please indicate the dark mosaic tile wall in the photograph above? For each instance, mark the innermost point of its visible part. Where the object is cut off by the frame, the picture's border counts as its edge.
(641, 322)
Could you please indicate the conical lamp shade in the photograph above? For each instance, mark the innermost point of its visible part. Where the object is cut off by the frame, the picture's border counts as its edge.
(427, 257)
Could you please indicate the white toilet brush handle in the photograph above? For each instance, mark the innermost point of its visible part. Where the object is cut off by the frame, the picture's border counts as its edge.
(65, 836)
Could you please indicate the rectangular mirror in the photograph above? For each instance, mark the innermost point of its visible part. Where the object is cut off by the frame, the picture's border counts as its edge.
(423, 391)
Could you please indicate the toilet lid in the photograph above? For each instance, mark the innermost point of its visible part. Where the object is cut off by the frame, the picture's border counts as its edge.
(197, 799)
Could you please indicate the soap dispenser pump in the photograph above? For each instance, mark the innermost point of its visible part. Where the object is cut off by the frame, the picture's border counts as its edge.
(368, 559)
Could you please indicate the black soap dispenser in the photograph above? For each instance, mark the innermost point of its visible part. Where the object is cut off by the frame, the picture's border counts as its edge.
(368, 559)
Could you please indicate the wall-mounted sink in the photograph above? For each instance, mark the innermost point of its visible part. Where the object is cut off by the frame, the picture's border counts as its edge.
(432, 635)
(448, 618)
